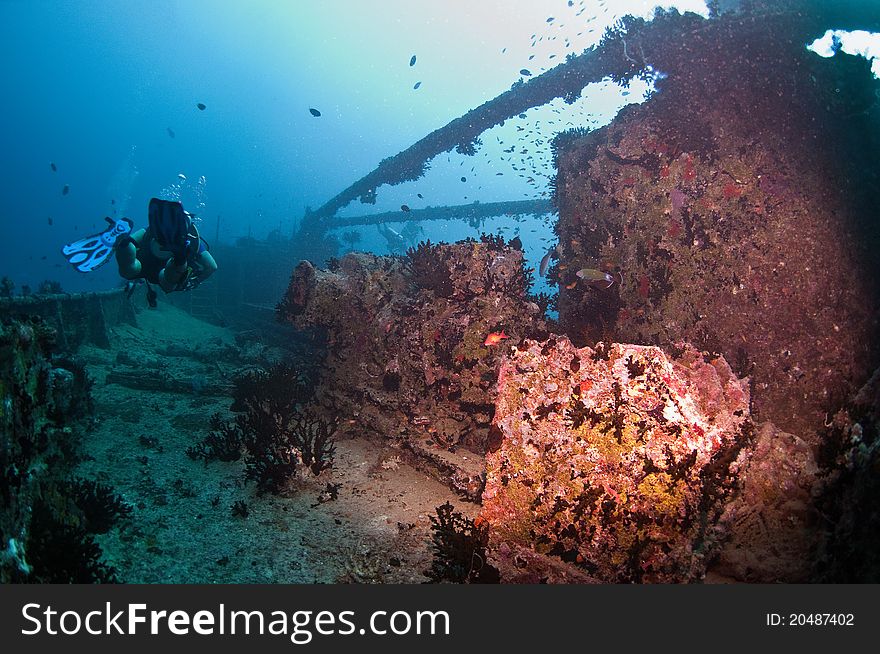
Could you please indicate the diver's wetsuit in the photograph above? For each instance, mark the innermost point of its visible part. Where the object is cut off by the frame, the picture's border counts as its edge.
(151, 265)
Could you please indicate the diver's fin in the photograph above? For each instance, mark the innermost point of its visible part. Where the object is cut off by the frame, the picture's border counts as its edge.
(169, 224)
(92, 252)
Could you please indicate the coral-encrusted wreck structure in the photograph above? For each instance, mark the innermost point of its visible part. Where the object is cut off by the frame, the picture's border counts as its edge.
(849, 492)
(735, 214)
(406, 337)
(44, 405)
(614, 460)
(772, 522)
(734, 206)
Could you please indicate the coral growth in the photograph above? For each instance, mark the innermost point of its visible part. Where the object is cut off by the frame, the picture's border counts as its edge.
(7, 287)
(282, 384)
(239, 509)
(729, 230)
(47, 517)
(271, 460)
(429, 269)
(314, 441)
(773, 523)
(276, 443)
(71, 390)
(63, 552)
(459, 546)
(278, 432)
(275, 428)
(98, 504)
(406, 337)
(223, 443)
(49, 287)
(613, 462)
(849, 492)
(60, 546)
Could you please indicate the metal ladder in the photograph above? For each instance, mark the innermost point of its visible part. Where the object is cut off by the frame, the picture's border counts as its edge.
(203, 301)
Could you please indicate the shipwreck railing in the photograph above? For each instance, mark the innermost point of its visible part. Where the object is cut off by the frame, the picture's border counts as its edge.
(76, 317)
(633, 47)
(469, 212)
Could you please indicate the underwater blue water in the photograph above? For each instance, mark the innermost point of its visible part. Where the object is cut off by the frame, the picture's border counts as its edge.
(108, 92)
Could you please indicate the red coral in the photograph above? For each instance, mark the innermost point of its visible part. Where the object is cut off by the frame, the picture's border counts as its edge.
(690, 172)
(644, 286)
(731, 191)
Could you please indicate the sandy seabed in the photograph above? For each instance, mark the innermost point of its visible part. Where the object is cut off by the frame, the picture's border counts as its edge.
(182, 528)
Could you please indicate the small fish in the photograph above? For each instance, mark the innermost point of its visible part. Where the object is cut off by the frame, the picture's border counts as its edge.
(525, 72)
(420, 195)
(43, 258)
(113, 202)
(181, 177)
(50, 220)
(464, 179)
(412, 60)
(66, 189)
(417, 85)
(595, 277)
(53, 166)
(314, 112)
(545, 262)
(494, 338)
(404, 207)
(170, 132)
(202, 106)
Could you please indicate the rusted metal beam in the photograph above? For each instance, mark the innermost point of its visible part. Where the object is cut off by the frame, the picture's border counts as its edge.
(566, 80)
(655, 44)
(474, 211)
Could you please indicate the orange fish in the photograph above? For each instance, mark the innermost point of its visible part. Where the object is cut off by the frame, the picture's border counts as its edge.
(494, 338)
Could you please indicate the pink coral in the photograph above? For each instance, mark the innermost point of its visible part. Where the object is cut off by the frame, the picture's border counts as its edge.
(614, 460)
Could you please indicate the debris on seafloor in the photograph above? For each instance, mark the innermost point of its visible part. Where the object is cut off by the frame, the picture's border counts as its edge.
(612, 464)
(408, 357)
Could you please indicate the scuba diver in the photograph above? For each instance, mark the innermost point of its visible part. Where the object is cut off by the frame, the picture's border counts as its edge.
(169, 252)
(396, 242)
